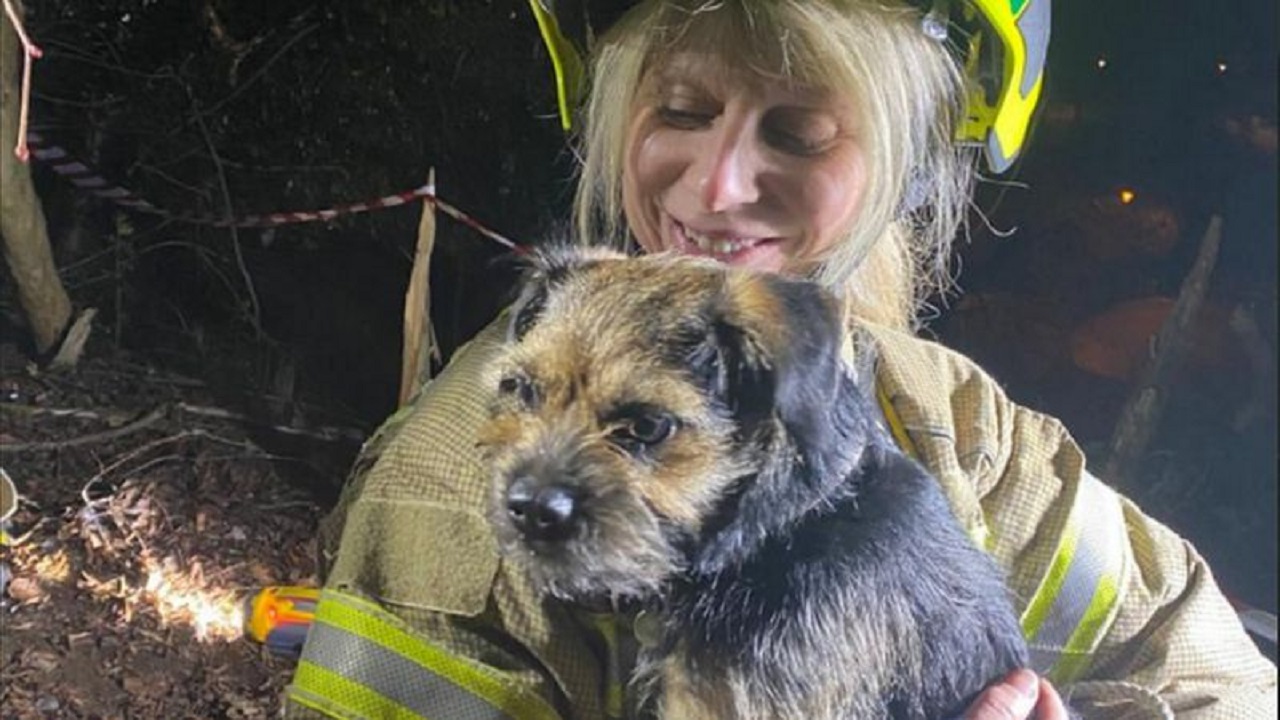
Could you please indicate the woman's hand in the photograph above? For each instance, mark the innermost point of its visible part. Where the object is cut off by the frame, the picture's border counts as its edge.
(1018, 696)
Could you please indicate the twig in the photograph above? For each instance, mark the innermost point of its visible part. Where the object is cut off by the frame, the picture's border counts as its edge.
(22, 539)
(63, 51)
(205, 255)
(260, 72)
(183, 435)
(144, 167)
(255, 317)
(83, 261)
(118, 247)
(141, 423)
(287, 504)
(142, 373)
(30, 53)
(327, 433)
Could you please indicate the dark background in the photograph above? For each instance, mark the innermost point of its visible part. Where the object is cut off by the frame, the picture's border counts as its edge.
(304, 105)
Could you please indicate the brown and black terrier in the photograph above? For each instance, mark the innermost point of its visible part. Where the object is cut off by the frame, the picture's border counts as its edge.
(685, 436)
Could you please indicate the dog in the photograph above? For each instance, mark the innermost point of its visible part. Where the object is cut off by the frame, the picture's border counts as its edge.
(685, 437)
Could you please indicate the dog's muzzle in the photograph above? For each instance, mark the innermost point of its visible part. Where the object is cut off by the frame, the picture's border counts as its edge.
(549, 513)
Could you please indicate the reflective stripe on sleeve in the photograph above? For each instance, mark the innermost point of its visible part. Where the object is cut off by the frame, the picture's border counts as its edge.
(1078, 598)
(607, 625)
(363, 662)
(896, 428)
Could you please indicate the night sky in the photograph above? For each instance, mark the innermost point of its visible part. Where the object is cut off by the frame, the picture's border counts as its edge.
(1164, 92)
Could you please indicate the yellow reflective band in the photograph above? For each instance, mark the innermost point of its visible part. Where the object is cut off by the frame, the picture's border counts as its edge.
(1079, 651)
(361, 661)
(896, 427)
(607, 625)
(1079, 597)
(359, 701)
(1042, 602)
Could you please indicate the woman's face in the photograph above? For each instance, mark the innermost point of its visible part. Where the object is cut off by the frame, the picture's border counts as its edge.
(742, 169)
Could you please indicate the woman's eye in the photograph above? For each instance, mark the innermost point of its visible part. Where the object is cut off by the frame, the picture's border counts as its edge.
(684, 119)
(795, 143)
(800, 132)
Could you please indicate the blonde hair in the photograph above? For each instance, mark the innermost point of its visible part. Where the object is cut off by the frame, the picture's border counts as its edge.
(908, 89)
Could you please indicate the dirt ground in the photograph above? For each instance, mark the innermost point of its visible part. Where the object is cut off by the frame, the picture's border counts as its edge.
(147, 513)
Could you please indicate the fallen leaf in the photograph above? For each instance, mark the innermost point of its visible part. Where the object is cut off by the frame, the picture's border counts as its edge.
(25, 589)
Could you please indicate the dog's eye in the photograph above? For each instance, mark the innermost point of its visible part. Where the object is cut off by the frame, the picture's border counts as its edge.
(646, 430)
(520, 388)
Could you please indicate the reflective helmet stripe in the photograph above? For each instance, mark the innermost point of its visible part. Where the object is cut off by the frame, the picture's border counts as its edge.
(565, 59)
(361, 661)
(1078, 598)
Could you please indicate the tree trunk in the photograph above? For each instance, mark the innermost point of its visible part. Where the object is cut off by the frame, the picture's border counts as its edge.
(22, 227)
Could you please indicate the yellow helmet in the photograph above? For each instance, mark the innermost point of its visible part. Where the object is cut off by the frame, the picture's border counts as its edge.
(1005, 62)
(1004, 55)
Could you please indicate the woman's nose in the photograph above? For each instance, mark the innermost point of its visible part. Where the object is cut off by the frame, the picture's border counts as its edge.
(728, 168)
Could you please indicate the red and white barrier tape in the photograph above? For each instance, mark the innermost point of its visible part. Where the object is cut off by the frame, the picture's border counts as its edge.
(85, 178)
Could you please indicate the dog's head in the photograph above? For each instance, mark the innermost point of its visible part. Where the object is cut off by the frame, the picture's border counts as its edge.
(661, 415)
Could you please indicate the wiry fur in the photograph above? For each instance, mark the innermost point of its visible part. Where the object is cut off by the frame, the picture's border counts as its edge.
(802, 566)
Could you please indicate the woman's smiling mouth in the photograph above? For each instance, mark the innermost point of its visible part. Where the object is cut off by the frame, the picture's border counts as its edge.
(727, 247)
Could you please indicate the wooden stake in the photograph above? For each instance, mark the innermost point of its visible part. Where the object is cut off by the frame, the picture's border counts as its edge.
(1141, 413)
(419, 335)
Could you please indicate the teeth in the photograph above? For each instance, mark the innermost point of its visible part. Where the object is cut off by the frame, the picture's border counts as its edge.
(719, 247)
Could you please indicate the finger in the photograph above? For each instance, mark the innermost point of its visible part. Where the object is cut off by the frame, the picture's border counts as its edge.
(1013, 698)
(1049, 705)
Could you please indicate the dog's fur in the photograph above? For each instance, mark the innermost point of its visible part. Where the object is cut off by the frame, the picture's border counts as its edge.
(710, 457)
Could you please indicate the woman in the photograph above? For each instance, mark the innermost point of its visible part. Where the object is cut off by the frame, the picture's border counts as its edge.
(804, 137)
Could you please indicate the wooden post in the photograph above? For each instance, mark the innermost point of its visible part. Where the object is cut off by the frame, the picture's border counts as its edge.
(1141, 413)
(419, 334)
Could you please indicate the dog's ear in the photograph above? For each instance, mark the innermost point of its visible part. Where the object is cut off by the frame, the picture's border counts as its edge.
(796, 406)
(528, 307)
(774, 353)
(812, 384)
(728, 364)
(545, 269)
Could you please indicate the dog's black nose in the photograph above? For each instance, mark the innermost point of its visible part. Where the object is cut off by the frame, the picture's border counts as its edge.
(547, 512)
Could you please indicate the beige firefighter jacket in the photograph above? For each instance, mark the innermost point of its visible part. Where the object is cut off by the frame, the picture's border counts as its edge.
(1156, 636)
